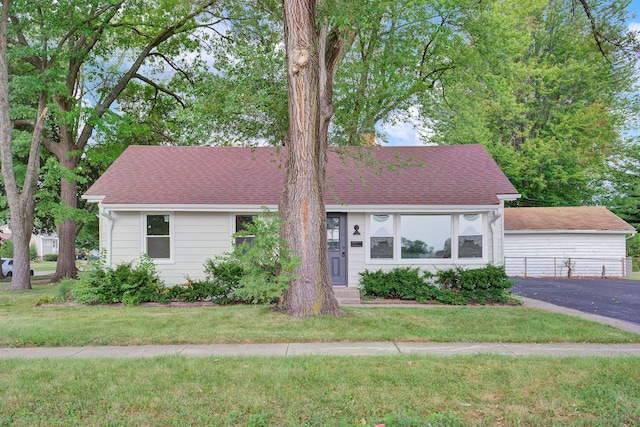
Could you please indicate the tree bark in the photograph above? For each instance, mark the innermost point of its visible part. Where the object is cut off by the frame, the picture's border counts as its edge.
(302, 207)
(66, 264)
(21, 200)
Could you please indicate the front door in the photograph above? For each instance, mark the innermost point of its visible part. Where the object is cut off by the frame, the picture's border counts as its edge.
(337, 247)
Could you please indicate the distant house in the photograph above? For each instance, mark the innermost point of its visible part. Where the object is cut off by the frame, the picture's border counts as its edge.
(45, 243)
(181, 205)
(547, 242)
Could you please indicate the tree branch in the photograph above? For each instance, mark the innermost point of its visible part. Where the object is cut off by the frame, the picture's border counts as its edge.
(164, 35)
(173, 65)
(594, 29)
(159, 88)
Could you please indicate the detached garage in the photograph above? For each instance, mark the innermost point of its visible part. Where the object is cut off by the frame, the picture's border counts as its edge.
(585, 241)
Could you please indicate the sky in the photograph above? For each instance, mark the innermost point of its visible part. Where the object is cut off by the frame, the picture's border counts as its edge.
(407, 133)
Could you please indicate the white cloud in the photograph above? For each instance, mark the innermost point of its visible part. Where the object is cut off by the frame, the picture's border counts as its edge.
(406, 129)
(634, 27)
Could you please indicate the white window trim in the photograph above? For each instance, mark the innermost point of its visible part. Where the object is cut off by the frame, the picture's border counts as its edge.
(143, 221)
(485, 238)
(397, 256)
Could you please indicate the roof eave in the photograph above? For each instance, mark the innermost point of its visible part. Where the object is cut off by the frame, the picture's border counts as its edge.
(565, 231)
(509, 197)
(93, 198)
(130, 207)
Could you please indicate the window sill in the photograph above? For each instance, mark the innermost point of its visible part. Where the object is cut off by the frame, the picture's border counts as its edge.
(163, 261)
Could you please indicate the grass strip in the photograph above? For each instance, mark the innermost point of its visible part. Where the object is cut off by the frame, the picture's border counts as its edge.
(23, 324)
(320, 391)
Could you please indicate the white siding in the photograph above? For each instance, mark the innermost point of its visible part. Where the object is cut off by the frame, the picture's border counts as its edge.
(547, 254)
(355, 256)
(126, 237)
(196, 237)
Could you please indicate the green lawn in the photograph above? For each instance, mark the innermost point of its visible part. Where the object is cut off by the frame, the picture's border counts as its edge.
(44, 265)
(23, 324)
(321, 391)
(405, 390)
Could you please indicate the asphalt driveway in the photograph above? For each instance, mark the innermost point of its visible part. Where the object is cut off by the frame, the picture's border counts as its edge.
(614, 298)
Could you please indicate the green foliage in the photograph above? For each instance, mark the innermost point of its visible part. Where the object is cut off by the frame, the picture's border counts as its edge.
(50, 257)
(33, 252)
(488, 284)
(453, 286)
(7, 249)
(265, 260)
(127, 283)
(541, 96)
(64, 289)
(46, 299)
(198, 290)
(399, 283)
(258, 270)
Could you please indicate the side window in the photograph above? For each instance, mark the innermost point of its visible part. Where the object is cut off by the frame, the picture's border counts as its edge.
(470, 236)
(241, 225)
(158, 237)
(381, 236)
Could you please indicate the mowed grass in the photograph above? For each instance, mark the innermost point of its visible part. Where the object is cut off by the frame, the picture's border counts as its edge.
(23, 324)
(321, 391)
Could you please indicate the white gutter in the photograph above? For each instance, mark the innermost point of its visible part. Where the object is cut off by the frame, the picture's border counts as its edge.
(105, 214)
(492, 225)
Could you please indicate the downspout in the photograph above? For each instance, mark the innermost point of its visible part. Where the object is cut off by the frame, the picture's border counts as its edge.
(105, 214)
(494, 238)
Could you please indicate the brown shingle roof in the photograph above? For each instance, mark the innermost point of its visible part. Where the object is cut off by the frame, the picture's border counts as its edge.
(450, 175)
(580, 218)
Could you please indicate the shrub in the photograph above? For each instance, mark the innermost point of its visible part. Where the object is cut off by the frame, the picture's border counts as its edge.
(127, 283)
(33, 252)
(454, 286)
(488, 284)
(256, 271)
(50, 257)
(64, 289)
(6, 250)
(399, 283)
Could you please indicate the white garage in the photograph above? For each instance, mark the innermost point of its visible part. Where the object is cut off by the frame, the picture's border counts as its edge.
(584, 241)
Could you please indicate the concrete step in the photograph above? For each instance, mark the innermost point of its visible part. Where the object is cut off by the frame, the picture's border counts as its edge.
(347, 295)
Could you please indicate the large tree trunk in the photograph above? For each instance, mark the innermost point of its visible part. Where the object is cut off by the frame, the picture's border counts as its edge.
(66, 265)
(21, 200)
(302, 206)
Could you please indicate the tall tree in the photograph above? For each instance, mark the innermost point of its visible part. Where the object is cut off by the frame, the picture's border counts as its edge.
(80, 43)
(20, 197)
(347, 65)
(548, 100)
(313, 51)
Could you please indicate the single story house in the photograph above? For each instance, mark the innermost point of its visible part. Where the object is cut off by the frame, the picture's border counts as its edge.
(44, 243)
(433, 207)
(548, 242)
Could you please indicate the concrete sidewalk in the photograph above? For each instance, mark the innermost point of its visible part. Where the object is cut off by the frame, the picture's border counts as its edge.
(327, 349)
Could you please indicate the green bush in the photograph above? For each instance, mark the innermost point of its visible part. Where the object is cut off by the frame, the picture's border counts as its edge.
(127, 283)
(50, 257)
(7, 249)
(256, 271)
(198, 290)
(64, 289)
(454, 286)
(399, 283)
(33, 252)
